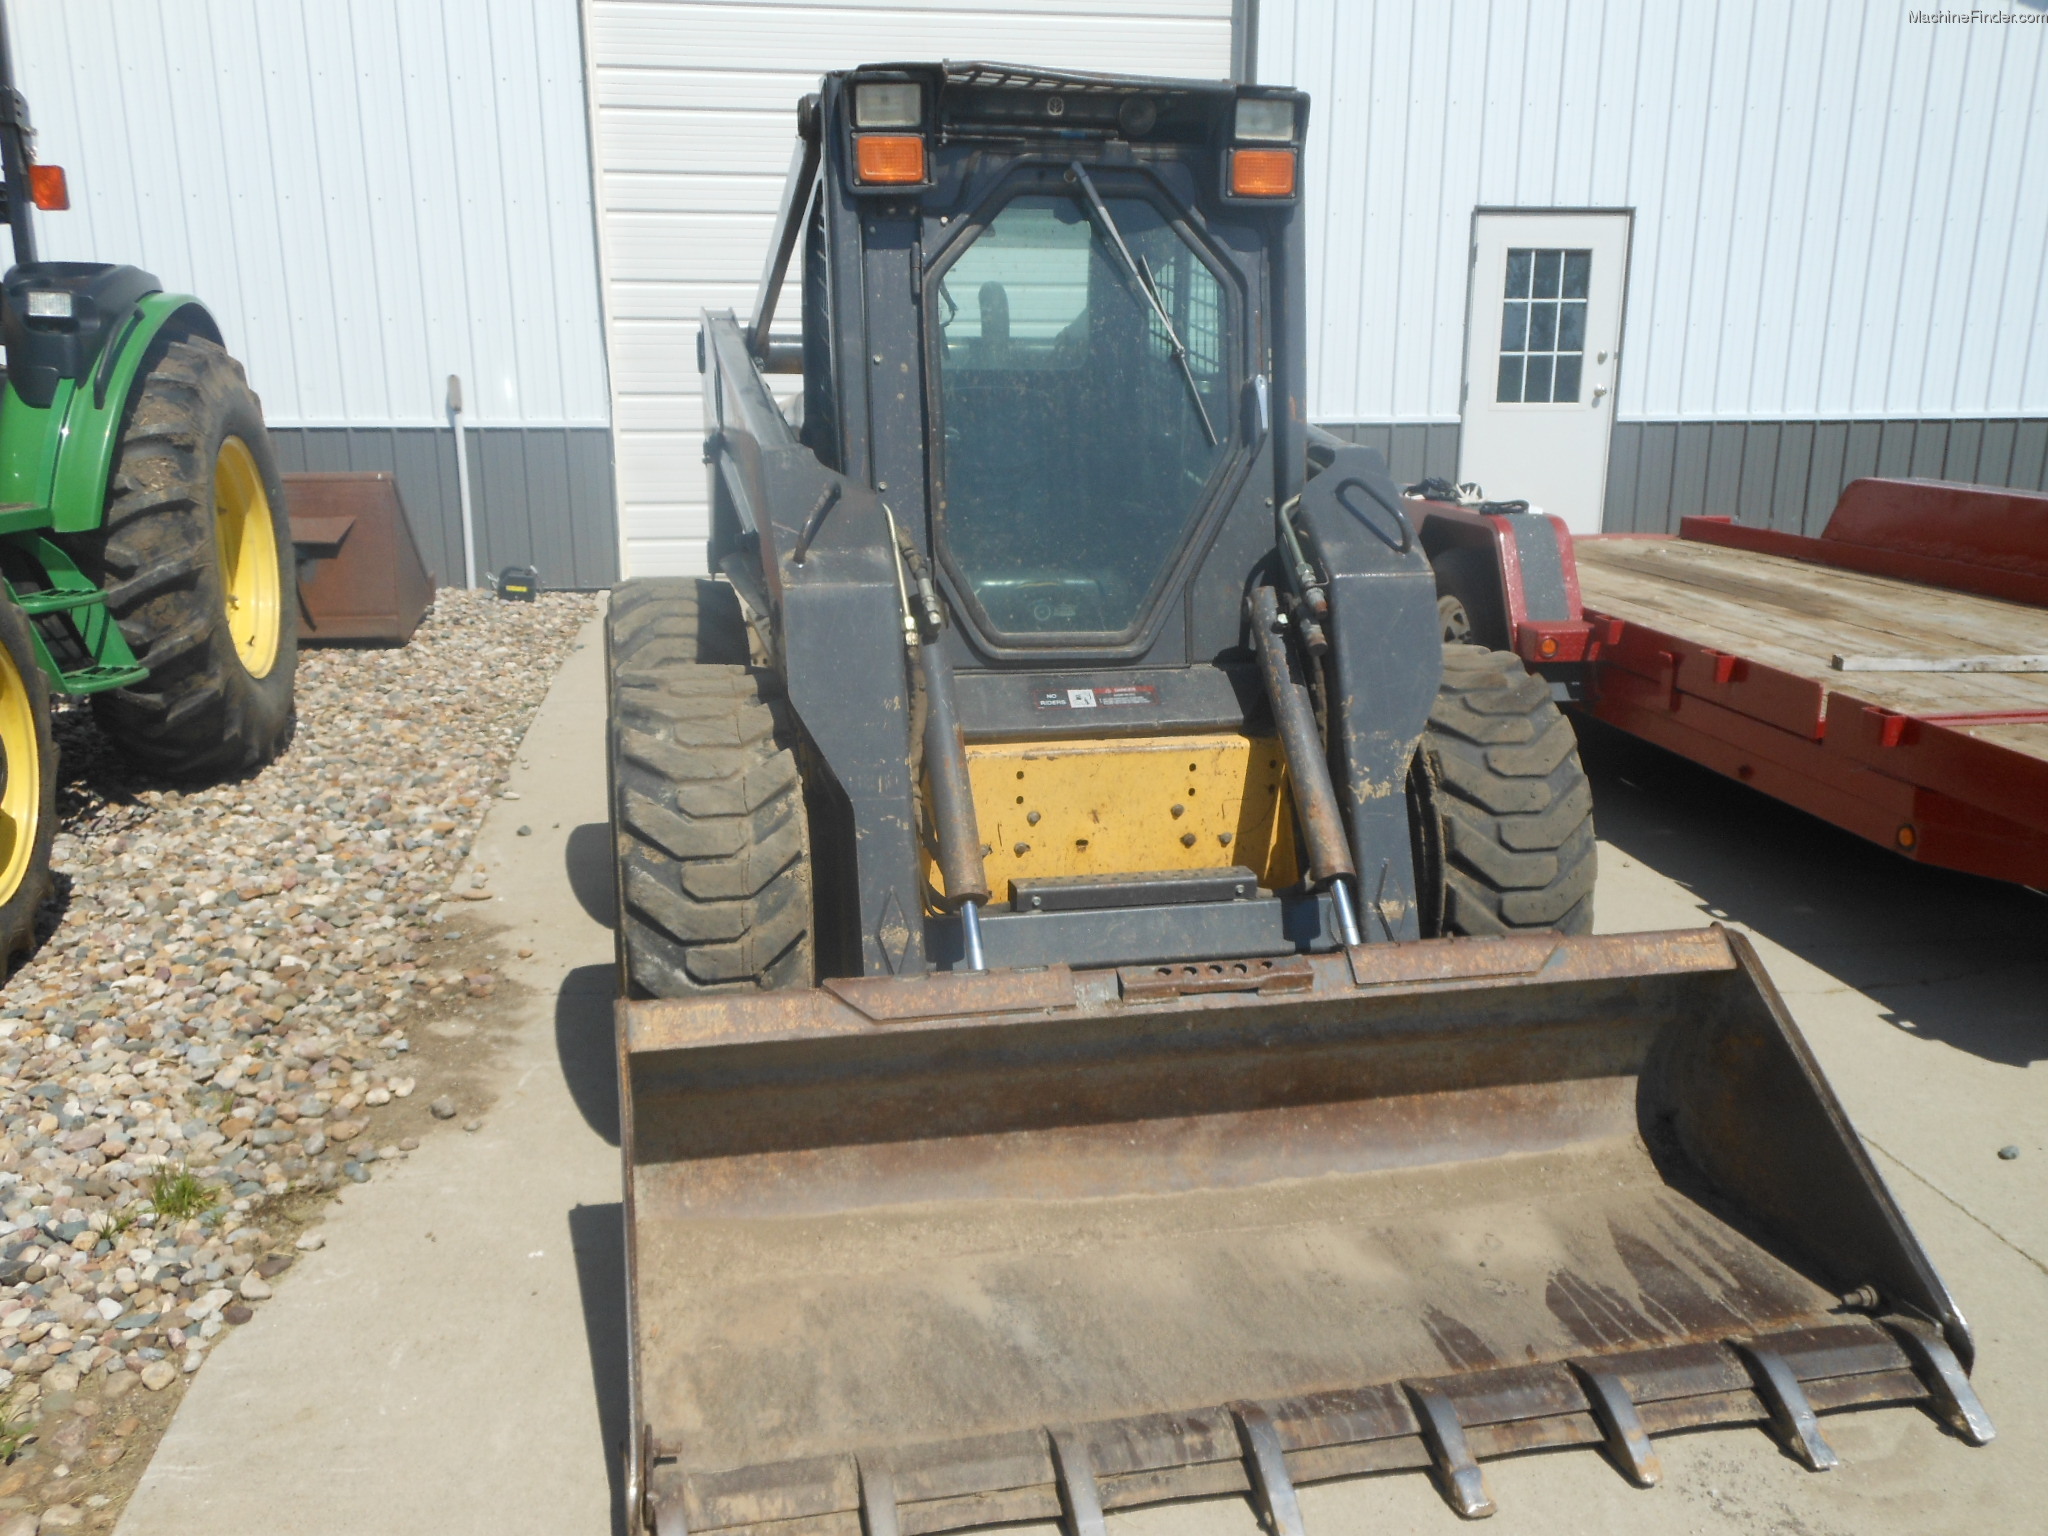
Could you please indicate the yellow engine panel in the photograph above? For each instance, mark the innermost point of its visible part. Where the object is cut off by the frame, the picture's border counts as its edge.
(1056, 808)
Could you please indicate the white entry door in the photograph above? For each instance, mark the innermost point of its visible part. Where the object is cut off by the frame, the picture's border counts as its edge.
(1541, 348)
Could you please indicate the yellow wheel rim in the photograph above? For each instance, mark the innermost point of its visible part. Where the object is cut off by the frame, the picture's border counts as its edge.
(248, 557)
(21, 778)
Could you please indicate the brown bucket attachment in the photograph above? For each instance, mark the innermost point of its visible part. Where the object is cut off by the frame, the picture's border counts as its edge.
(943, 1253)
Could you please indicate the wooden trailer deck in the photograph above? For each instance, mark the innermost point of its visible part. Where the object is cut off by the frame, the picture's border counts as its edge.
(1909, 711)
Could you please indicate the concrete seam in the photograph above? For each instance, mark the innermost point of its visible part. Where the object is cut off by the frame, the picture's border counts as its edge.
(1958, 1204)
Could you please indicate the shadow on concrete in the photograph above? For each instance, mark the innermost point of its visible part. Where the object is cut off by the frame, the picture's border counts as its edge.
(583, 1042)
(1952, 957)
(588, 859)
(597, 1234)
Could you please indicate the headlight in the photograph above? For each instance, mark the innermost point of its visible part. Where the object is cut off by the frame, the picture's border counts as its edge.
(48, 304)
(883, 104)
(1265, 120)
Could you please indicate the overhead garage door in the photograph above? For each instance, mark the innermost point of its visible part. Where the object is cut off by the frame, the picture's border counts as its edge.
(693, 114)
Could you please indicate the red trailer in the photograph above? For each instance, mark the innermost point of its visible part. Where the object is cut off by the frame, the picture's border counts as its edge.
(1890, 676)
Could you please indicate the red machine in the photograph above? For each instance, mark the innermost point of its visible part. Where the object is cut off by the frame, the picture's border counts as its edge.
(1890, 676)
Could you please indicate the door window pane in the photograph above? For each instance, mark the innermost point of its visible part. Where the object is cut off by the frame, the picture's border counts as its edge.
(1543, 326)
(1578, 268)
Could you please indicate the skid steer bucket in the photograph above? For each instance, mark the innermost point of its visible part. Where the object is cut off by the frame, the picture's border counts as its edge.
(941, 1253)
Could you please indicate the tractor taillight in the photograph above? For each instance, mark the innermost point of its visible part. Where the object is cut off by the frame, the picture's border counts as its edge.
(889, 159)
(47, 187)
(1262, 172)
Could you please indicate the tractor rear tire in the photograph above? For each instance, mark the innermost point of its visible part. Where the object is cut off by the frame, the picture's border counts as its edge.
(712, 847)
(1501, 804)
(207, 601)
(28, 787)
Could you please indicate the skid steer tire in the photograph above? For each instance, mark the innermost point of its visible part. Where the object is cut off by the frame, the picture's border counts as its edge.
(28, 788)
(712, 849)
(1501, 804)
(195, 554)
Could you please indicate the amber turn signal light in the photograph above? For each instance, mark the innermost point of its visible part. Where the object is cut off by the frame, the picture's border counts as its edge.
(889, 158)
(1262, 172)
(47, 188)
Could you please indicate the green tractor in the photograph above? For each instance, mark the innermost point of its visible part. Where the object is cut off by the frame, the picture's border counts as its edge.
(144, 548)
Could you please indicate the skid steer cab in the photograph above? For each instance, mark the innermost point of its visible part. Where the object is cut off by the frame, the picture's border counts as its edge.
(145, 554)
(1105, 901)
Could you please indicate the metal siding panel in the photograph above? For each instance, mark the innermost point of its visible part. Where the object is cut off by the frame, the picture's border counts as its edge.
(1618, 505)
(1407, 452)
(291, 165)
(2014, 336)
(1961, 457)
(1826, 474)
(1656, 477)
(1994, 454)
(1930, 449)
(1794, 468)
(423, 461)
(1758, 473)
(545, 467)
(2030, 456)
(1441, 456)
(1822, 33)
(593, 532)
(1861, 449)
(1895, 448)
(1722, 493)
(1689, 469)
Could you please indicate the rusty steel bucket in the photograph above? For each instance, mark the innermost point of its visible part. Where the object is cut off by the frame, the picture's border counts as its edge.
(933, 1254)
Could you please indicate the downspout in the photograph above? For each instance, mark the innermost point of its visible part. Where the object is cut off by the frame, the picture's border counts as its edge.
(462, 481)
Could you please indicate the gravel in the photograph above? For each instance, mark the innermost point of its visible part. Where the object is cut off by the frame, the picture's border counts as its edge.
(219, 1009)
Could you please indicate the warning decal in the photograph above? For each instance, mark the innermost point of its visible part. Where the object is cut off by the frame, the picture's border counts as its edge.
(1114, 696)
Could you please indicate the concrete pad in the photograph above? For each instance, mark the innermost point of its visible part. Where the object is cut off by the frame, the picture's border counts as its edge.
(475, 1380)
(454, 1358)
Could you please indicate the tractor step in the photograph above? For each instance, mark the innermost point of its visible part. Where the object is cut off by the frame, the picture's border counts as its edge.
(99, 679)
(59, 600)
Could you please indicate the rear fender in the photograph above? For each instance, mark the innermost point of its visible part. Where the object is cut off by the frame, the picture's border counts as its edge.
(57, 459)
(1536, 576)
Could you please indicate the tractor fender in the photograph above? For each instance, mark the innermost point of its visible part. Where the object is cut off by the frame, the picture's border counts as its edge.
(60, 456)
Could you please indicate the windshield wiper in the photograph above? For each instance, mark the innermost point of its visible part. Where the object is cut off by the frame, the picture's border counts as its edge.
(1142, 275)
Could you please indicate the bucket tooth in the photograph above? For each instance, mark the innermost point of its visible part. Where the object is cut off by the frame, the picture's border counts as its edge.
(878, 1500)
(1266, 1464)
(1627, 1441)
(1463, 1483)
(1778, 1385)
(1943, 1376)
(1080, 1499)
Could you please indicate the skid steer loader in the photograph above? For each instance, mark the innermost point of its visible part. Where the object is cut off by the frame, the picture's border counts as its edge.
(1110, 1012)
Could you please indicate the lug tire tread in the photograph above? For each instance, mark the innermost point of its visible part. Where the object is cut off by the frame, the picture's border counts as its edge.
(1512, 805)
(712, 843)
(199, 714)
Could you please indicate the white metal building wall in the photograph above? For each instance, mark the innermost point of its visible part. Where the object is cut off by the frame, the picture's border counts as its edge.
(1839, 213)
(370, 195)
(693, 116)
